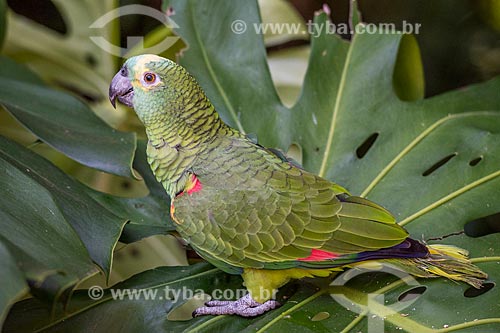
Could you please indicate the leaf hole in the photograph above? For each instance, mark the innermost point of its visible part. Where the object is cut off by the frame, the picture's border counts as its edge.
(483, 226)
(412, 294)
(295, 153)
(43, 12)
(475, 161)
(366, 145)
(438, 164)
(474, 292)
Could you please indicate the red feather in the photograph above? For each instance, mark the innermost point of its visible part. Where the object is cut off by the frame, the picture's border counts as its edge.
(196, 187)
(319, 255)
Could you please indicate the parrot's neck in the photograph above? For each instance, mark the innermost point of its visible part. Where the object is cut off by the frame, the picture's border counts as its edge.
(186, 121)
(181, 124)
(183, 130)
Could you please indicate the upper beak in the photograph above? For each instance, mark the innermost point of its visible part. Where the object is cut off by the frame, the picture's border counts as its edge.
(121, 88)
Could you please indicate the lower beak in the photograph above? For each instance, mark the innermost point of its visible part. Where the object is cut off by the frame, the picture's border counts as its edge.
(121, 89)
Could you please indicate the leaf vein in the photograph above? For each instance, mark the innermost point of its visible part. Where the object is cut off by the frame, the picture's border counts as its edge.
(212, 73)
(417, 140)
(336, 108)
(109, 298)
(449, 197)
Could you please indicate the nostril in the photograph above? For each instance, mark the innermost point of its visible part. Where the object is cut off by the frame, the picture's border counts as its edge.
(124, 71)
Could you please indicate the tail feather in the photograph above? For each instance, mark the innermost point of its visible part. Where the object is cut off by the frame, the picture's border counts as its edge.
(412, 256)
(443, 260)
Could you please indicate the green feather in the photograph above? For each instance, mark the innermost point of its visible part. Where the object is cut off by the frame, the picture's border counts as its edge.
(256, 209)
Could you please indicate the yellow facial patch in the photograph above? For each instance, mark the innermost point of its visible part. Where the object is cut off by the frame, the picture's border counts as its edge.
(140, 68)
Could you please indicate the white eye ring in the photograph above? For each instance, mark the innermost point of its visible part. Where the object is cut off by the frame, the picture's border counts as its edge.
(150, 79)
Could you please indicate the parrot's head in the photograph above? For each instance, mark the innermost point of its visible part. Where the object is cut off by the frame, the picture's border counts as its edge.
(157, 88)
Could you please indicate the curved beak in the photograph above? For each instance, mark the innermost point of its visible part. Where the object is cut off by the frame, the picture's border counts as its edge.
(121, 88)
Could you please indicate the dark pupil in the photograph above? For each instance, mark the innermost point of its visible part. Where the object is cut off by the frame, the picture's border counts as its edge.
(149, 77)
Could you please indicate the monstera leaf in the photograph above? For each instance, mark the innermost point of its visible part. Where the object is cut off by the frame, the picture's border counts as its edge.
(64, 122)
(68, 57)
(361, 122)
(54, 227)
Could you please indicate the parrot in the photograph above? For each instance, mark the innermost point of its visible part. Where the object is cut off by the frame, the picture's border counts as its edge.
(249, 210)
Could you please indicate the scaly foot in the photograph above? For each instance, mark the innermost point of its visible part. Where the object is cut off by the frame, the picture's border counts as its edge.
(245, 307)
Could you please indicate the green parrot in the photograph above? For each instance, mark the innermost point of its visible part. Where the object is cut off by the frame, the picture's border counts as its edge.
(250, 211)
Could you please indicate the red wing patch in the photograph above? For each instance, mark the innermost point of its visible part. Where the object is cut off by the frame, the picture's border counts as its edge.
(195, 185)
(319, 255)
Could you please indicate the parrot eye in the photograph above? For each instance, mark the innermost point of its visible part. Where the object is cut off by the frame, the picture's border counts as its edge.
(149, 79)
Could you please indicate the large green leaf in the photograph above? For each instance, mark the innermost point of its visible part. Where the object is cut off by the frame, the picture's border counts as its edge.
(31, 224)
(64, 122)
(143, 315)
(11, 70)
(98, 218)
(227, 70)
(348, 100)
(14, 281)
(46, 212)
(97, 227)
(165, 291)
(148, 215)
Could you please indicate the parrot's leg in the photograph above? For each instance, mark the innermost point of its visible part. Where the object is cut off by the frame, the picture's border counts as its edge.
(245, 307)
(263, 285)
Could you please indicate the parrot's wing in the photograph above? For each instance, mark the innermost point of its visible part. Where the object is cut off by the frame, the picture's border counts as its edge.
(255, 210)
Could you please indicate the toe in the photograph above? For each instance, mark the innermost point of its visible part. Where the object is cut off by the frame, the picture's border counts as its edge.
(245, 307)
